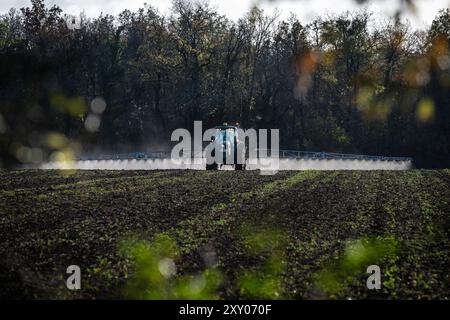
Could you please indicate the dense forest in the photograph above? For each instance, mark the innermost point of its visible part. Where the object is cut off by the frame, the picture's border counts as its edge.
(71, 85)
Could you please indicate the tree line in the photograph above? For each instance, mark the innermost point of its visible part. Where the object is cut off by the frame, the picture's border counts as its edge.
(71, 85)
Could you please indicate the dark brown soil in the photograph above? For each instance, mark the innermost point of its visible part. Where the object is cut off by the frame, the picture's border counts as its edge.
(52, 219)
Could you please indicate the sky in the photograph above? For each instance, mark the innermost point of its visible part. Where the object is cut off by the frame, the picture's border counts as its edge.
(305, 10)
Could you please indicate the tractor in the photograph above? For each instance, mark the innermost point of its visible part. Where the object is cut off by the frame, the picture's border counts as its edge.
(228, 140)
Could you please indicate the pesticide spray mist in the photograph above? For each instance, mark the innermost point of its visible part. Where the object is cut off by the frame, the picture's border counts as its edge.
(284, 164)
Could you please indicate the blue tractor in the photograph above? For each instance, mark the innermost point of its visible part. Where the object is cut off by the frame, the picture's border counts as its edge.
(229, 143)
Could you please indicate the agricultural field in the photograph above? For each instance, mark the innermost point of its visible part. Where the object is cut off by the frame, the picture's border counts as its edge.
(225, 235)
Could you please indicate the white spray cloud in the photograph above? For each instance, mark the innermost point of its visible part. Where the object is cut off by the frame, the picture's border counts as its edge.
(284, 164)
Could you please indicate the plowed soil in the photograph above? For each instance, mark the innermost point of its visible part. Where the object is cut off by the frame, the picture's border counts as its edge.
(52, 219)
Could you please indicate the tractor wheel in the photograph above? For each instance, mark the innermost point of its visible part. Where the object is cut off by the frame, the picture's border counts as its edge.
(212, 166)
